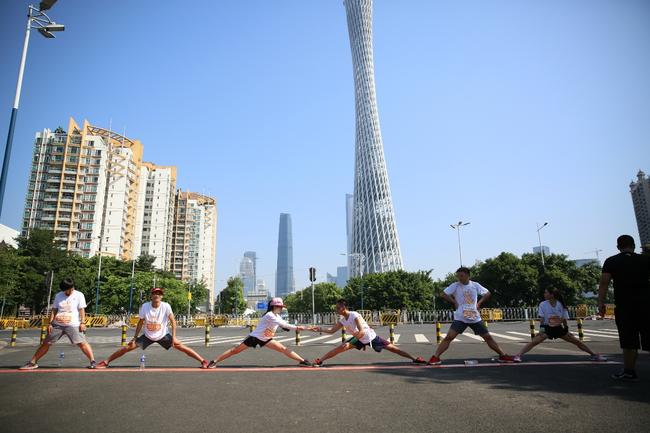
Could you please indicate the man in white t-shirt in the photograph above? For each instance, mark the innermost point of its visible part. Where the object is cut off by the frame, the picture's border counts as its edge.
(66, 318)
(464, 296)
(154, 318)
(362, 336)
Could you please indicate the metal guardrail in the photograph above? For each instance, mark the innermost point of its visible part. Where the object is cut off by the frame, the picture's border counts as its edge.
(375, 318)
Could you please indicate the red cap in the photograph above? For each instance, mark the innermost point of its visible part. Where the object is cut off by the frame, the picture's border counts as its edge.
(157, 290)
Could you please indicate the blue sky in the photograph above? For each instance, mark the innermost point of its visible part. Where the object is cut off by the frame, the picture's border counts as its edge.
(501, 113)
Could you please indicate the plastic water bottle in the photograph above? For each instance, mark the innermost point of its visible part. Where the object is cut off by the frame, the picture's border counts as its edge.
(142, 359)
(61, 358)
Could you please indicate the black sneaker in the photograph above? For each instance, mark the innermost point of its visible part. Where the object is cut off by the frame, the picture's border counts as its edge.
(305, 363)
(625, 376)
(93, 365)
(212, 364)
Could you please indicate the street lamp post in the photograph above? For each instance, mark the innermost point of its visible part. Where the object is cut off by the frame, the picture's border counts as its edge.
(539, 238)
(36, 19)
(457, 227)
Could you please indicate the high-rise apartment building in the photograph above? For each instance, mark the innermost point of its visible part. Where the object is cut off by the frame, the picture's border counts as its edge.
(247, 275)
(284, 280)
(83, 186)
(194, 239)
(155, 213)
(640, 191)
(374, 235)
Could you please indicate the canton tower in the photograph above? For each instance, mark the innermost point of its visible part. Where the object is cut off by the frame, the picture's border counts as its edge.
(375, 244)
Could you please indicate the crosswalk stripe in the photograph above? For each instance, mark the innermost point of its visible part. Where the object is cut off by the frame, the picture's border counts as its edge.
(335, 341)
(456, 340)
(520, 333)
(603, 331)
(421, 338)
(507, 337)
(474, 337)
(593, 334)
(310, 340)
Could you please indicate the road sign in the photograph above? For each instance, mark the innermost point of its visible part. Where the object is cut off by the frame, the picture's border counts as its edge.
(261, 305)
(312, 274)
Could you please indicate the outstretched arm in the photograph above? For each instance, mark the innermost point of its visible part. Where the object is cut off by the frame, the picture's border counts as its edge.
(331, 330)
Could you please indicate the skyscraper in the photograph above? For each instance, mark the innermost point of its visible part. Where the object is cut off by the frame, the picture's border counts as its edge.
(253, 256)
(374, 236)
(247, 275)
(284, 282)
(640, 191)
(349, 224)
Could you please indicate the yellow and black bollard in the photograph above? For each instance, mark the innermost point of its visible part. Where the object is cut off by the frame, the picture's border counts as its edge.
(532, 329)
(342, 335)
(207, 335)
(43, 333)
(297, 337)
(14, 331)
(391, 330)
(485, 322)
(438, 333)
(123, 336)
(581, 334)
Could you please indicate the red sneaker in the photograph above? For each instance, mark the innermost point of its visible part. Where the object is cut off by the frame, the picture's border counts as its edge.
(434, 360)
(506, 358)
(317, 363)
(204, 364)
(419, 360)
(102, 364)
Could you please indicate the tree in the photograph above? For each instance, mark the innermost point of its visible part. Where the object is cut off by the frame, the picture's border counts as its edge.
(231, 298)
(512, 282)
(10, 276)
(391, 290)
(325, 297)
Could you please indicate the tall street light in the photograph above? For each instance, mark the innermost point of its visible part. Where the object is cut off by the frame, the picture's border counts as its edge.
(457, 227)
(539, 238)
(36, 19)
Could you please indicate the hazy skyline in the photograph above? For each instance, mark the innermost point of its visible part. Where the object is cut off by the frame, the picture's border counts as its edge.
(504, 114)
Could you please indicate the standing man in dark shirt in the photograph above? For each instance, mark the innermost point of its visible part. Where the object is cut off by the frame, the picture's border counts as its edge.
(631, 275)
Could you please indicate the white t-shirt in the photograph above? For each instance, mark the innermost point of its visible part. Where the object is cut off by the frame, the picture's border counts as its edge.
(551, 315)
(155, 319)
(267, 326)
(350, 326)
(67, 308)
(466, 297)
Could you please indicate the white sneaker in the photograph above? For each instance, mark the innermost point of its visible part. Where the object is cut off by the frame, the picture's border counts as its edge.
(598, 358)
(29, 366)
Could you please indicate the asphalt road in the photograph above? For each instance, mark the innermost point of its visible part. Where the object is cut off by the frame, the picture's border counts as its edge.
(556, 389)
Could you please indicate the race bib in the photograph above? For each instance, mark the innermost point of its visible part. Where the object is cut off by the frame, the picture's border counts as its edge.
(269, 332)
(153, 326)
(555, 321)
(470, 314)
(63, 318)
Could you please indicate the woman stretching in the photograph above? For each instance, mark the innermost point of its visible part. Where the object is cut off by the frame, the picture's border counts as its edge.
(263, 336)
(553, 317)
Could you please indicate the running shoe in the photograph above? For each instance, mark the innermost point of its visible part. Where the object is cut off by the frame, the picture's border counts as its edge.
(434, 360)
(29, 366)
(598, 358)
(516, 358)
(419, 360)
(625, 376)
(317, 363)
(102, 364)
(212, 364)
(93, 365)
(305, 363)
(506, 358)
(204, 364)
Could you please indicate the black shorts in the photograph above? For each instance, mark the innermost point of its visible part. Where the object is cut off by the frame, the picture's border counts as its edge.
(143, 341)
(251, 341)
(633, 328)
(553, 332)
(378, 344)
(460, 326)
